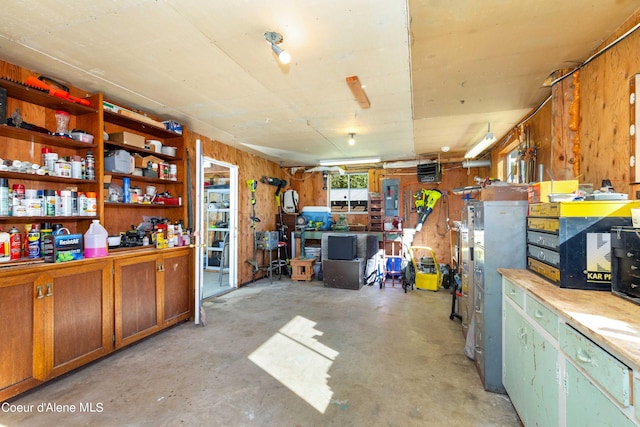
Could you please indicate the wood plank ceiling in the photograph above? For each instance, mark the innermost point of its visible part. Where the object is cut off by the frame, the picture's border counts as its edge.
(436, 72)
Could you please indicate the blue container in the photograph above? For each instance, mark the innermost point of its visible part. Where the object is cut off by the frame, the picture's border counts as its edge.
(394, 267)
(318, 217)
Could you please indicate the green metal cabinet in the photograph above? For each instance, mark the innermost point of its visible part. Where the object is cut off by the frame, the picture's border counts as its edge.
(543, 407)
(515, 361)
(556, 376)
(587, 406)
(529, 368)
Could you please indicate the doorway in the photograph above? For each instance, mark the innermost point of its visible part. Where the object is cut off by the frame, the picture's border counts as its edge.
(216, 219)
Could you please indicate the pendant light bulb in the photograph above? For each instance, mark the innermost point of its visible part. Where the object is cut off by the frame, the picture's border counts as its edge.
(352, 139)
(274, 39)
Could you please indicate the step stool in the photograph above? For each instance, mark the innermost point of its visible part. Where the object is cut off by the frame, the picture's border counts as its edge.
(302, 269)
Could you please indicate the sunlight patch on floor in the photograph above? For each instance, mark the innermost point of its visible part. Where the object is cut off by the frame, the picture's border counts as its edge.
(295, 358)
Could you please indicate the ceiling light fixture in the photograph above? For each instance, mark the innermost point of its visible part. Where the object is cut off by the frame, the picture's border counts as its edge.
(360, 161)
(352, 139)
(275, 39)
(482, 145)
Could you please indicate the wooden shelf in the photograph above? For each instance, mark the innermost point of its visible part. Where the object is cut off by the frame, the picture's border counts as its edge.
(140, 150)
(45, 178)
(137, 178)
(140, 205)
(138, 125)
(36, 96)
(43, 138)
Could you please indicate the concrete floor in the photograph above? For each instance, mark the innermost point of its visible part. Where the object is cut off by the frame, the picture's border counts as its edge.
(373, 357)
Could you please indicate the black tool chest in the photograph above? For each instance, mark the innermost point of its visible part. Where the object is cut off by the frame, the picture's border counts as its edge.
(568, 243)
(625, 263)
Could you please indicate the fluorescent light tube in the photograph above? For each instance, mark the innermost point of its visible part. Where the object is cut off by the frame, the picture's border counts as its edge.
(485, 143)
(349, 161)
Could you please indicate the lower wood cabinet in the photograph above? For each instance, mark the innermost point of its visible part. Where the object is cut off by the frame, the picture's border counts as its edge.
(554, 375)
(57, 317)
(177, 299)
(53, 321)
(137, 298)
(19, 330)
(151, 292)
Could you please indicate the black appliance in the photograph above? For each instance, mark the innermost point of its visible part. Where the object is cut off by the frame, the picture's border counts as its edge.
(429, 172)
(342, 247)
(625, 263)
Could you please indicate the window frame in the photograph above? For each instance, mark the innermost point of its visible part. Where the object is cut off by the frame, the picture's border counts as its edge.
(355, 210)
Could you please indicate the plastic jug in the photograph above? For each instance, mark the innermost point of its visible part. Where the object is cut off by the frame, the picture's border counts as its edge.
(4, 247)
(95, 240)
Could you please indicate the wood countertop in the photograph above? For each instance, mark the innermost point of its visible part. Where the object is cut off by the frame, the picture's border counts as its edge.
(609, 320)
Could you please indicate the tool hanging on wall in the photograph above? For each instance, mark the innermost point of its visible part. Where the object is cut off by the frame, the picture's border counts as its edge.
(279, 184)
(253, 184)
(425, 201)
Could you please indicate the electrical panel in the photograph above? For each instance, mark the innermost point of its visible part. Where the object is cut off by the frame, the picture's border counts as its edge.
(429, 172)
(391, 190)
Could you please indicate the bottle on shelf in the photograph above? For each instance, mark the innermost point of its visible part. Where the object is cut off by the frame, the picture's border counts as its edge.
(90, 166)
(95, 240)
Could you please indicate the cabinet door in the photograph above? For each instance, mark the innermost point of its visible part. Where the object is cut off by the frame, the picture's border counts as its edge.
(587, 406)
(18, 325)
(137, 298)
(517, 351)
(82, 315)
(542, 378)
(178, 286)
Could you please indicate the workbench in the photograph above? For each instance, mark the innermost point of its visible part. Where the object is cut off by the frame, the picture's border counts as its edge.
(570, 356)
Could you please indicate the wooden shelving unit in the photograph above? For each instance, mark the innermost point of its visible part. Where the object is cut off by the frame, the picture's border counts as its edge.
(376, 216)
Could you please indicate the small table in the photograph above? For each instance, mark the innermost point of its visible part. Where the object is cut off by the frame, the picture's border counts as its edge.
(302, 268)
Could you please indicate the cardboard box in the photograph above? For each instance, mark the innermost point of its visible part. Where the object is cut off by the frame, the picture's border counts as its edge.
(66, 247)
(142, 161)
(539, 192)
(128, 138)
(504, 192)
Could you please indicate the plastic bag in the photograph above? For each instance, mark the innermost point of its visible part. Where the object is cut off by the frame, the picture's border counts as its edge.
(470, 344)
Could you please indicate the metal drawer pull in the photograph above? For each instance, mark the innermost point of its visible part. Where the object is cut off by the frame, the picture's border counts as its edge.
(633, 267)
(538, 314)
(512, 291)
(39, 291)
(49, 290)
(633, 286)
(629, 255)
(583, 356)
(523, 336)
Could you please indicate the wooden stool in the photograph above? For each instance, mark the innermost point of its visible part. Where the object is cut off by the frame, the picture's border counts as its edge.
(302, 269)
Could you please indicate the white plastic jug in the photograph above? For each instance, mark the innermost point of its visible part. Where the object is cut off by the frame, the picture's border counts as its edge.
(95, 240)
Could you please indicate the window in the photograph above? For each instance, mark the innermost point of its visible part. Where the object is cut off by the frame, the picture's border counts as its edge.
(513, 175)
(349, 193)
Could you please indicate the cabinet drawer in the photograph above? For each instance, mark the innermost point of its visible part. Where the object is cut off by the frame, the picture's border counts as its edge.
(514, 292)
(544, 224)
(543, 239)
(611, 374)
(545, 270)
(543, 316)
(544, 255)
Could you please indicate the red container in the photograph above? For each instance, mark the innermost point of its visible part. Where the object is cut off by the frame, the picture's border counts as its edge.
(15, 244)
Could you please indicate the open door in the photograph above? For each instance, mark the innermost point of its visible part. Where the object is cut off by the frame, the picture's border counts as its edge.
(217, 228)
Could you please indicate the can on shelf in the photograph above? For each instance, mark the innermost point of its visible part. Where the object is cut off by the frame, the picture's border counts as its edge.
(15, 244)
(33, 241)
